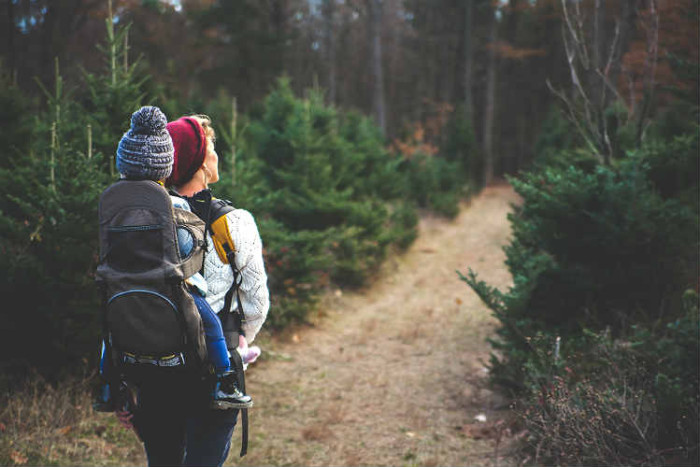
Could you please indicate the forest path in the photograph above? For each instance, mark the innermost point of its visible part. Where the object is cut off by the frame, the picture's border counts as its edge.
(392, 374)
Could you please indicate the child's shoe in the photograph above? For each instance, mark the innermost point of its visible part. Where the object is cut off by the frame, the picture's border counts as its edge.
(227, 395)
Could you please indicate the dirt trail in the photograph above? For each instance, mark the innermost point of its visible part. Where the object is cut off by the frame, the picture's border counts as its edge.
(391, 375)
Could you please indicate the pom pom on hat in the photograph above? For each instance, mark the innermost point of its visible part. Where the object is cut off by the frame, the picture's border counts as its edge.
(146, 150)
(190, 143)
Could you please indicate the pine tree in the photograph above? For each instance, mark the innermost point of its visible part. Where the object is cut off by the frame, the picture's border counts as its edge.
(327, 193)
(48, 229)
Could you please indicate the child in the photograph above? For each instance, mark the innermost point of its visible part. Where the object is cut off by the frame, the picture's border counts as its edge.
(145, 152)
(226, 393)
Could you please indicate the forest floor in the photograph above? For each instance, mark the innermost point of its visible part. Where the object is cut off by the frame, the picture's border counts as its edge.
(393, 374)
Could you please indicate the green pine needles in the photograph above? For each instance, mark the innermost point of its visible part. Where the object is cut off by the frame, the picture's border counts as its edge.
(598, 336)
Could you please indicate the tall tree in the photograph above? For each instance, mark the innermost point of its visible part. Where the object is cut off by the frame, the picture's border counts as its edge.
(468, 33)
(490, 104)
(374, 8)
(10, 31)
(592, 66)
(329, 30)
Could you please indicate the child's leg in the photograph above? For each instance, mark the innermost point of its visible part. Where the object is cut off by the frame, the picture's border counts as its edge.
(226, 394)
(214, 333)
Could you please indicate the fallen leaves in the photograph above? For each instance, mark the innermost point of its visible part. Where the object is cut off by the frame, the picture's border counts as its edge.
(18, 458)
(64, 431)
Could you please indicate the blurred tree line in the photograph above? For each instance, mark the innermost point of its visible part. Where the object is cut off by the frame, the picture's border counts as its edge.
(405, 62)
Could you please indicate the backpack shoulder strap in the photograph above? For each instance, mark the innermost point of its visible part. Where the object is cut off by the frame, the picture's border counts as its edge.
(220, 233)
(226, 250)
(232, 323)
(213, 211)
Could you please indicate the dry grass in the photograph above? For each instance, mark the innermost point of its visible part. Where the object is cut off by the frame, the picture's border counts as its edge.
(44, 425)
(378, 380)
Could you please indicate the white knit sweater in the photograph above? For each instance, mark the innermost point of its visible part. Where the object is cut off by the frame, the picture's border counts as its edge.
(255, 297)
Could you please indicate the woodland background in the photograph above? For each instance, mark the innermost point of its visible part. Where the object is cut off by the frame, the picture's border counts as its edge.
(338, 122)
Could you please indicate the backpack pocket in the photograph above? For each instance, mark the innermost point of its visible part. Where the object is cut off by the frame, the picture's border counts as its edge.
(145, 323)
(135, 241)
(195, 228)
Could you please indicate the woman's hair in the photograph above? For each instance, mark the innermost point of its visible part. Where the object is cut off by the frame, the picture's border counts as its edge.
(205, 121)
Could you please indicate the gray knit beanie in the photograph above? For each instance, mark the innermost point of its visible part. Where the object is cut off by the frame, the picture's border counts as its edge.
(146, 150)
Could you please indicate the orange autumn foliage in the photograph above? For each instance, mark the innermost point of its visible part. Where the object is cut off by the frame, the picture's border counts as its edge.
(414, 144)
(424, 136)
(507, 51)
(678, 36)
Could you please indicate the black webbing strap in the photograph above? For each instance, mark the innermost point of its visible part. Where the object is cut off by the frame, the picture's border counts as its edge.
(209, 209)
(232, 323)
(229, 323)
(109, 372)
(237, 362)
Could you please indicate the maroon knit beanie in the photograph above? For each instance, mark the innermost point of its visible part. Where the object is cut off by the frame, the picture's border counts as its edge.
(190, 144)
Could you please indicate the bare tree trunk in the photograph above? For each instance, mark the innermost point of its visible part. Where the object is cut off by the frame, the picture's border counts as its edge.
(423, 86)
(11, 35)
(278, 20)
(489, 107)
(329, 23)
(649, 70)
(598, 34)
(443, 76)
(597, 83)
(629, 16)
(468, 98)
(234, 121)
(375, 23)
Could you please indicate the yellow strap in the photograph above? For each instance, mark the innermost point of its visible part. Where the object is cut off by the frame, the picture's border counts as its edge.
(221, 235)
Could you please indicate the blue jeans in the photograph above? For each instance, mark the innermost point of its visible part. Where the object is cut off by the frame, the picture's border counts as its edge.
(176, 425)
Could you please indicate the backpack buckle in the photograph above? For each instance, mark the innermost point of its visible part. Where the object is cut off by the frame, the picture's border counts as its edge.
(165, 361)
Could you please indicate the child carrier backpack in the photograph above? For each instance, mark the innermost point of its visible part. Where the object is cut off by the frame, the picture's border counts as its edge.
(149, 318)
(213, 212)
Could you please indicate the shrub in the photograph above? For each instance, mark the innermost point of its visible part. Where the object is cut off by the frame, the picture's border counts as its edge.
(327, 194)
(673, 168)
(608, 401)
(434, 183)
(587, 424)
(588, 251)
(557, 136)
(462, 149)
(596, 338)
(16, 125)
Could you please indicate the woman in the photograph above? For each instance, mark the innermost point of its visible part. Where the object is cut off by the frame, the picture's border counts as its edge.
(175, 420)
